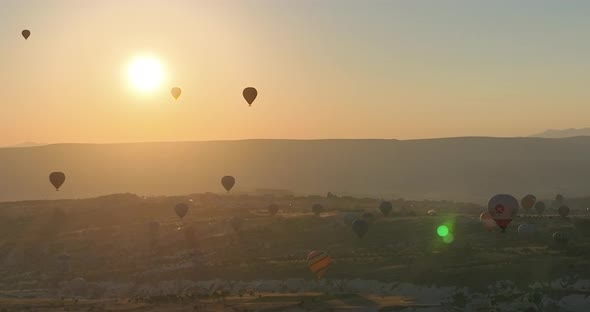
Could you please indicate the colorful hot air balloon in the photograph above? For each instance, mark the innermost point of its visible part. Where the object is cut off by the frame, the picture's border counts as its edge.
(487, 221)
(57, 179)
(317, 209)
(528, 202)
(181, 209)
(250, 95)
(564, 211)
(503, 208)
(273, 209)
(360, 227)
(319, 262)
(539, 208)
(385, 207)
(176, 91)
(26, 33)
(560, 237)
(228, 182)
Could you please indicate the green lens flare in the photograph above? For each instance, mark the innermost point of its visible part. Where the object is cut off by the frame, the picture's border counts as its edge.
(442, 231)
(449, 238)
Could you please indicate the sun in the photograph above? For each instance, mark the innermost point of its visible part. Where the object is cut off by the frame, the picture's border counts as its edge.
(145, 73)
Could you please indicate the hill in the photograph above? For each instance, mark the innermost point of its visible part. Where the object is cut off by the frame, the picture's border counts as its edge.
(563, 133)
(466, 169)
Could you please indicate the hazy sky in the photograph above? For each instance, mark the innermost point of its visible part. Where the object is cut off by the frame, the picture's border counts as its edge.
(324, 69)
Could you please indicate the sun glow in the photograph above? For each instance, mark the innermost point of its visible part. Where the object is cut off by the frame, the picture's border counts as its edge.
(145, 73)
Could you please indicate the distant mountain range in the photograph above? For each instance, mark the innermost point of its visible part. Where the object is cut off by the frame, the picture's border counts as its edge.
(27, 144)
(466, 169)
(563, 133)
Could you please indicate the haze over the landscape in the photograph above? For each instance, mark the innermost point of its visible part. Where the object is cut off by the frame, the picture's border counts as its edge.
(324, 69)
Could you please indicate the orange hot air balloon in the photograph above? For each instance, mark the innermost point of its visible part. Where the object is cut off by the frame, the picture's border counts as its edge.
(26, 33)
(319, 262)
(57, 179)
(176, 91)
(228, 182)
(487, 221)
(250, 95)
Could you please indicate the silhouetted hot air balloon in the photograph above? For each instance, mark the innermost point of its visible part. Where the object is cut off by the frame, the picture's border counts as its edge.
(57, 179)
(250, 95)
(176, 91)
(564, 211)
(26, 33)
(528, 202)
(385, 207)
(487, 221)
(317, 209)
(181, 209)
(319, 262)
(503, 208)
(539, 208)
(273, 209)
(228, 182)
(360, 227)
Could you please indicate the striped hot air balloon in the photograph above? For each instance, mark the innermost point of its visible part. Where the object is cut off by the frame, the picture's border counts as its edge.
(319, 262)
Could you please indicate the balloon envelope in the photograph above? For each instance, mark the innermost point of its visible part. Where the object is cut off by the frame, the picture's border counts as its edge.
(26, 33)
(228, 182)
(319, 262)
(181, 210)
(487, 221)
(176, 91)
(57, 179)
(385, 207)
(528, 202)
(502, 209)
(560, 237)
(250, 95)
(360, 227)
(564, 211)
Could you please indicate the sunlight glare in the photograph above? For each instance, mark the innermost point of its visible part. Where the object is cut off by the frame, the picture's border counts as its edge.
(145, 74)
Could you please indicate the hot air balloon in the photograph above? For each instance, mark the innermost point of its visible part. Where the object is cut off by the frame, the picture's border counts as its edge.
(503, 208)
(273, 209)
(228, 182)
(317, 209)
(564, 211)
(57, 179)
(78, 286)
(360, 227)
(539, 208)
(487, 221)
(236, 223)
(250, 95)
(528, 202)
(319, 262)
(26, 33)
(176, 91)
(431, 212)
(560, 237)
(181, 209)
(385, 207)
(526, 230)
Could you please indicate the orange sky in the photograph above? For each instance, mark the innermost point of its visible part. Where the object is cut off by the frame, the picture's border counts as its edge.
(324, 69)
